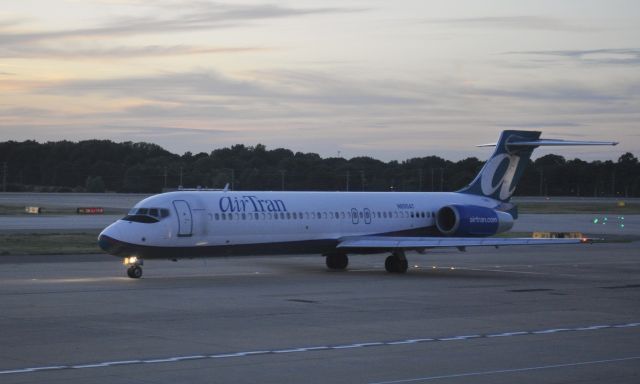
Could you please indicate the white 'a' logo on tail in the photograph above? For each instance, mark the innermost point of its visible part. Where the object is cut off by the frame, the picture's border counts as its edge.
(504, 182)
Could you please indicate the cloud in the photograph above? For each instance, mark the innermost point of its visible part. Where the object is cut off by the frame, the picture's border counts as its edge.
(206, 87)
(559, 91)
(539, 124)
(628, 56)
(186, 16)
(120, 52)
(510, 22)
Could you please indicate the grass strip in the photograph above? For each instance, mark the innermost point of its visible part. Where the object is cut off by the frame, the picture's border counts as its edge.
(49, 243)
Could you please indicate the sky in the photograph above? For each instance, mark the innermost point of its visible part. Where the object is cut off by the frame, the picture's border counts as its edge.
(388, 79)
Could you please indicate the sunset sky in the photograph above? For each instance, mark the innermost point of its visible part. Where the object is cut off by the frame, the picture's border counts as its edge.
(387, 79)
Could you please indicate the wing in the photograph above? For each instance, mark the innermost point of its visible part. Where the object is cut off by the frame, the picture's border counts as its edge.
(385, 242)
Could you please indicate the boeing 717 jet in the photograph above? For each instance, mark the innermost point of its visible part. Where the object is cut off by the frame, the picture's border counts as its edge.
(209, 223)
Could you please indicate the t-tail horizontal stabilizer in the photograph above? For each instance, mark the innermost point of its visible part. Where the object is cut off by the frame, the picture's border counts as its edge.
(549, 143)
(501, 173)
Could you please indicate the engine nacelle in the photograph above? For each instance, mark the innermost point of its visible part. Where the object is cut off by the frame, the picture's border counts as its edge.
(472, 220)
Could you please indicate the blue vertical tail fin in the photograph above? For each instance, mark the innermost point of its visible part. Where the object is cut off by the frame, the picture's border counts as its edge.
(500, 174)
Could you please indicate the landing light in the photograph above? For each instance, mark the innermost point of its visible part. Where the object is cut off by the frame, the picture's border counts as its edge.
(130, 260)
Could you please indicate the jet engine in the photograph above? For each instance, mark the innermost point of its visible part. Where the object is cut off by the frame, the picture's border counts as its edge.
(471, 220)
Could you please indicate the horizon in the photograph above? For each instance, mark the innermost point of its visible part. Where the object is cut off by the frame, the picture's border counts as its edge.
(338, 156)
(338, 78)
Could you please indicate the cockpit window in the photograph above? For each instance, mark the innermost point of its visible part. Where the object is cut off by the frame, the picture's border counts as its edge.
(140, 219)
(147, 215)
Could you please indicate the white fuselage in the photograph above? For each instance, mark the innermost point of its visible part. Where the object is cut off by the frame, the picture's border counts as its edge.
(225, 220)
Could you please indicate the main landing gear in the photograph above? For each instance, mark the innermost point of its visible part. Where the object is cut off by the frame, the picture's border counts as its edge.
(337, 261)
(134, 265)
(396, 263)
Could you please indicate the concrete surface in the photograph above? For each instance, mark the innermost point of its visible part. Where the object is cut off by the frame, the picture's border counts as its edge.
(566, 314)
(72, 200)
(613, 225)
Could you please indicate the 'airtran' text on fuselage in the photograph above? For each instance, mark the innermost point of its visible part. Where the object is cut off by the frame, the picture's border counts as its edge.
(248, 203)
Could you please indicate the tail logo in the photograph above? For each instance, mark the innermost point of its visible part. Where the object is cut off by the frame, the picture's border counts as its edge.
(498, 173)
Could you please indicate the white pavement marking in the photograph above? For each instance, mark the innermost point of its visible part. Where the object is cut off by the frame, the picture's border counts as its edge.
(507, 334)
(174, 359)
(497, 371)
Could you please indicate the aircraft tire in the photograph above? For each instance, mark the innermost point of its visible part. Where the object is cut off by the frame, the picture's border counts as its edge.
(134, 272)
(394, 264)
(337, 261)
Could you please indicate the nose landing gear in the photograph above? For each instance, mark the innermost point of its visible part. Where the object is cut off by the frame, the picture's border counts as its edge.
(134, 265)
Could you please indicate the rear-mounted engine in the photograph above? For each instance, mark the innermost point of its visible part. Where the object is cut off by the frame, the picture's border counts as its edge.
(472, 220)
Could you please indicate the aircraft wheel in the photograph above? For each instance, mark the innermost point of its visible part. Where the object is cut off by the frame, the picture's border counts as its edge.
(134, 271)
(337, 261)
(394, 264)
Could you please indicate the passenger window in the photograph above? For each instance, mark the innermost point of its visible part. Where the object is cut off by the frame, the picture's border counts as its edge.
(230, 216)
(319, 215)
(256, 216)
(281, 216)
(217, 216)
(244, 216)
(275, 216)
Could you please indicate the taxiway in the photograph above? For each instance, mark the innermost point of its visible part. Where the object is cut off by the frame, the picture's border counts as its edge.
(527, 315)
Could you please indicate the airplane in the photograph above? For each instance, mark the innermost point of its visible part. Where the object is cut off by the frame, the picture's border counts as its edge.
(209, 223)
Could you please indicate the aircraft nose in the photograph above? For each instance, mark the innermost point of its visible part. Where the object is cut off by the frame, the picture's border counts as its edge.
(106, 243)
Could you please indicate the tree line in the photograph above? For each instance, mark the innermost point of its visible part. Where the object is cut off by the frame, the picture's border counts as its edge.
(103, 165)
